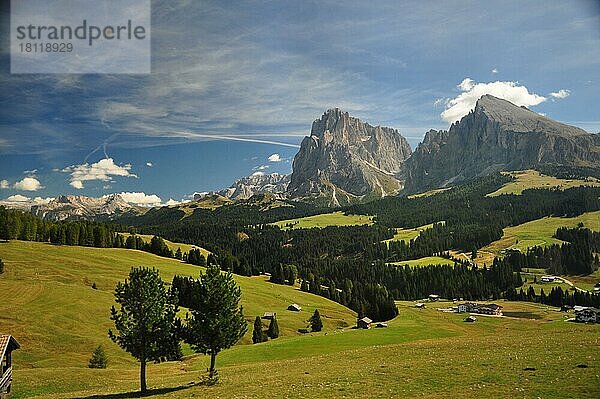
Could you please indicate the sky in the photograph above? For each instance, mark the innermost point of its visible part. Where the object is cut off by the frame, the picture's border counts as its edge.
(235, 87)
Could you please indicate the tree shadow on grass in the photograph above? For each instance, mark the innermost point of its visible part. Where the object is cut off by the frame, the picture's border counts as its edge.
(138, 394)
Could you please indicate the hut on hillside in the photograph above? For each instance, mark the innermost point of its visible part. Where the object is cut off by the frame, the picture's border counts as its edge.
(8, 343)
(294, 307)
(269, 316)
(364, 323)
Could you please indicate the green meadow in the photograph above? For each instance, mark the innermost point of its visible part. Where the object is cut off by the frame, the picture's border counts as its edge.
(47, 302)
(324, 220)
(526, 179)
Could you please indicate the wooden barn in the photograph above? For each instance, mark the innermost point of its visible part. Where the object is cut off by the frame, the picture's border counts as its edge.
(294, 307)
(269, 316)
(364, 323)
(7, 344)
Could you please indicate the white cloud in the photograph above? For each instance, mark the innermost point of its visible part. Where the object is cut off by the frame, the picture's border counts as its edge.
(562, 93)
(28, 184)
(149, 164)
(275, 158)
(494, 70)
(461, 105)
(30, 172)
(171, 201)
(4, 184)
(258, 174)
(140, 198)
(17, 198)
(101, 170)
(466, 85)
(261, 167)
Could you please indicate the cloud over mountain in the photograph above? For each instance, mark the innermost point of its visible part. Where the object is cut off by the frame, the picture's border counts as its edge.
(471, 91)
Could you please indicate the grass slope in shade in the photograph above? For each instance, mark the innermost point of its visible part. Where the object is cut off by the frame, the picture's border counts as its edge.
(324, 220)
(47, 302)
(172, 245)
(534, 179)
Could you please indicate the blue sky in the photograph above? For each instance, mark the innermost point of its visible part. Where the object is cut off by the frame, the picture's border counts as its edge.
(234, 83)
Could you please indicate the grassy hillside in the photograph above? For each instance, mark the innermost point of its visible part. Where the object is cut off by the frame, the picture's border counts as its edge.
(48, 303)
(429, 260)
(422, 353)
(540, 231)
(324, 220)
(409, 234)
(533, 179)
(172, 245)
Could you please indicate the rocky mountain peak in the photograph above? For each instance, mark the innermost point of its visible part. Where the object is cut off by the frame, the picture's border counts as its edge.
(497, 135)
(521, 119)
(345, 158)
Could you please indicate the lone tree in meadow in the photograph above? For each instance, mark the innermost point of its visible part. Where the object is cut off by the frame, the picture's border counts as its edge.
(1, 266)
(99, 359)
(146, 322)
(258, 335)
(217, 321)
(316, 324)
(273, 331)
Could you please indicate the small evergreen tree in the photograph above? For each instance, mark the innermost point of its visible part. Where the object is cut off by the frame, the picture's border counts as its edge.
(316, 324)
(178, 254)
(217, 321)
(146, 323)
(1, 266)
(258, 334)
(99, 359)
(273, 331)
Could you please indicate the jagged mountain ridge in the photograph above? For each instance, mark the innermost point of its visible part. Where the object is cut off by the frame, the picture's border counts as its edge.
(78, 207)
(496, 136)
(345, 159)
(246, 187)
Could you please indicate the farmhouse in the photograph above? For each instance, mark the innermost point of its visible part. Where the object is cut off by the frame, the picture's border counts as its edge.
(471, 307)
(547, 279)
(364, 323)
(7, 344)
(381, 325)
(269, 316)
(294, 307)
(470, 319)
(434, 298)
(588, 315)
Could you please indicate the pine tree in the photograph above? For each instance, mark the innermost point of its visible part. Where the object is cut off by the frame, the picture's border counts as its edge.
(1, 266)
(146, 323)
(316, 324)
(178, 254)
(99, 359)
(273, 331)
(217, 321)
(258, 334)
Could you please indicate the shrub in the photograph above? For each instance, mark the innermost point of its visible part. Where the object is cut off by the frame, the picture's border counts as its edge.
(99, 359)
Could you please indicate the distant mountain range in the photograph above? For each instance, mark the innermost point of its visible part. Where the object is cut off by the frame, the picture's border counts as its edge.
(78, 207)
(345, 160)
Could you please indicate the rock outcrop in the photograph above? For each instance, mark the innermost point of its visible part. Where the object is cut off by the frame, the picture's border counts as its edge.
(345, 159)
(496, 136)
